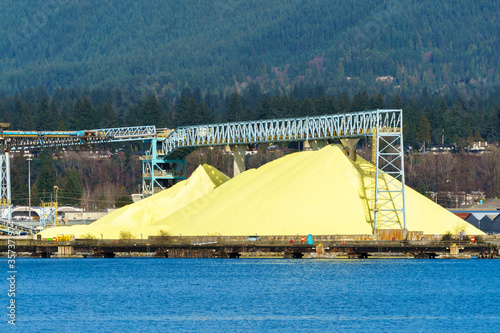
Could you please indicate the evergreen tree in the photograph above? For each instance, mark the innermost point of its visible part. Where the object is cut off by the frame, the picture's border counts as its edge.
(134, 116)
(331, 105)
(205, 114)
(109, 119)
(307, 108)
(197, 95)
(153, 112)
(83, 116)
(248, 114)
(52, 121)
(410, 115)
(320, 106)
(4, 114)
(186, 111)
(43, 115)
(360, 102)
(26, 120)
(46, 178)
(477, 137)
(378, 102)
(293, 106)
(343, 103)
(235, 108)
(76, 122)
(424, 130)
(397, 103)
(210, 99)
(71, 191)
(17, 112)
(264, 108)
(277, 109)
(493, 125)
(91, 121)
(63, 121)
(455, 127)
(251, 96)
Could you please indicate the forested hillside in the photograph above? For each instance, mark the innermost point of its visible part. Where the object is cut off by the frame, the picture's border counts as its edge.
(72, 65)
(429, 119)
(164, 46)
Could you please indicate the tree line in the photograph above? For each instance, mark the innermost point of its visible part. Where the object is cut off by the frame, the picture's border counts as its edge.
(428, 118)
(226, 45)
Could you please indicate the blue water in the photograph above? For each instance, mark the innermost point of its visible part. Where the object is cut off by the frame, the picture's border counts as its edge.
(255, 295)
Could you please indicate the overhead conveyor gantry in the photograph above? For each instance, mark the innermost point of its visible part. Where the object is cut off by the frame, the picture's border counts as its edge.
(164, 160)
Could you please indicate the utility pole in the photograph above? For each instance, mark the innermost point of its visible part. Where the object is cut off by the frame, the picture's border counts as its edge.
(29, 186)
(56, 205)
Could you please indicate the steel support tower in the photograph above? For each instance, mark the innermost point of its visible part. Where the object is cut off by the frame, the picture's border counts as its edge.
(390, 203)
(158, 171)
(5, 195)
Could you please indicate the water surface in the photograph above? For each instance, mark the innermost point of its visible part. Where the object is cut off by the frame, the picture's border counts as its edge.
(255, 295)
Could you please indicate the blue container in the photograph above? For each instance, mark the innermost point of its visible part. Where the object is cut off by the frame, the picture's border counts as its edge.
(310, 239)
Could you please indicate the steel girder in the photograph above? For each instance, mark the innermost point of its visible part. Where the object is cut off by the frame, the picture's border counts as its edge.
(354, 124)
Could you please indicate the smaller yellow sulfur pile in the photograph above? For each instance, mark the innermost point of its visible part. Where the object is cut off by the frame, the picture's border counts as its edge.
(136, 217)
(318, 192)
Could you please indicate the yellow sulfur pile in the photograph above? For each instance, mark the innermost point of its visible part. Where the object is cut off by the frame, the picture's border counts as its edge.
(137, 216)
(320, 193)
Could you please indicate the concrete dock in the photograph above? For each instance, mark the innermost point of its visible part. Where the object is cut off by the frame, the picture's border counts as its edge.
(184, 248)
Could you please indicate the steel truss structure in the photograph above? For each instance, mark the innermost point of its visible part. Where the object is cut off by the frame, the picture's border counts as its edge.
(48, 214)
(28, 140)
(168, 164)
(344, 125)
(5, 195)
(390, 203)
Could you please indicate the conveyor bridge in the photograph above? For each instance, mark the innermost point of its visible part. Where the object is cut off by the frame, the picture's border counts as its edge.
(164, 160)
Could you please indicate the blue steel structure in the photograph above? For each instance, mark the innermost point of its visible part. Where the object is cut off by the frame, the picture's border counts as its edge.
(28, 140)
(164, 159)
(160, 171)
(346, 125)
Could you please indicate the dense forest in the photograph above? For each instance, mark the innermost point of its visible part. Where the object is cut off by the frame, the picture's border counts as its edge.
(429, 119)
(449, 119)
(72, 65)
(165, 46)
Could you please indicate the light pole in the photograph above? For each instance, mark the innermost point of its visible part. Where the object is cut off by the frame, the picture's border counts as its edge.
(56, 205)
(29, 186)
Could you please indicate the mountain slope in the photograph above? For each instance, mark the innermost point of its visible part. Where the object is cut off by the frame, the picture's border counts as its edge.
(227, 44)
